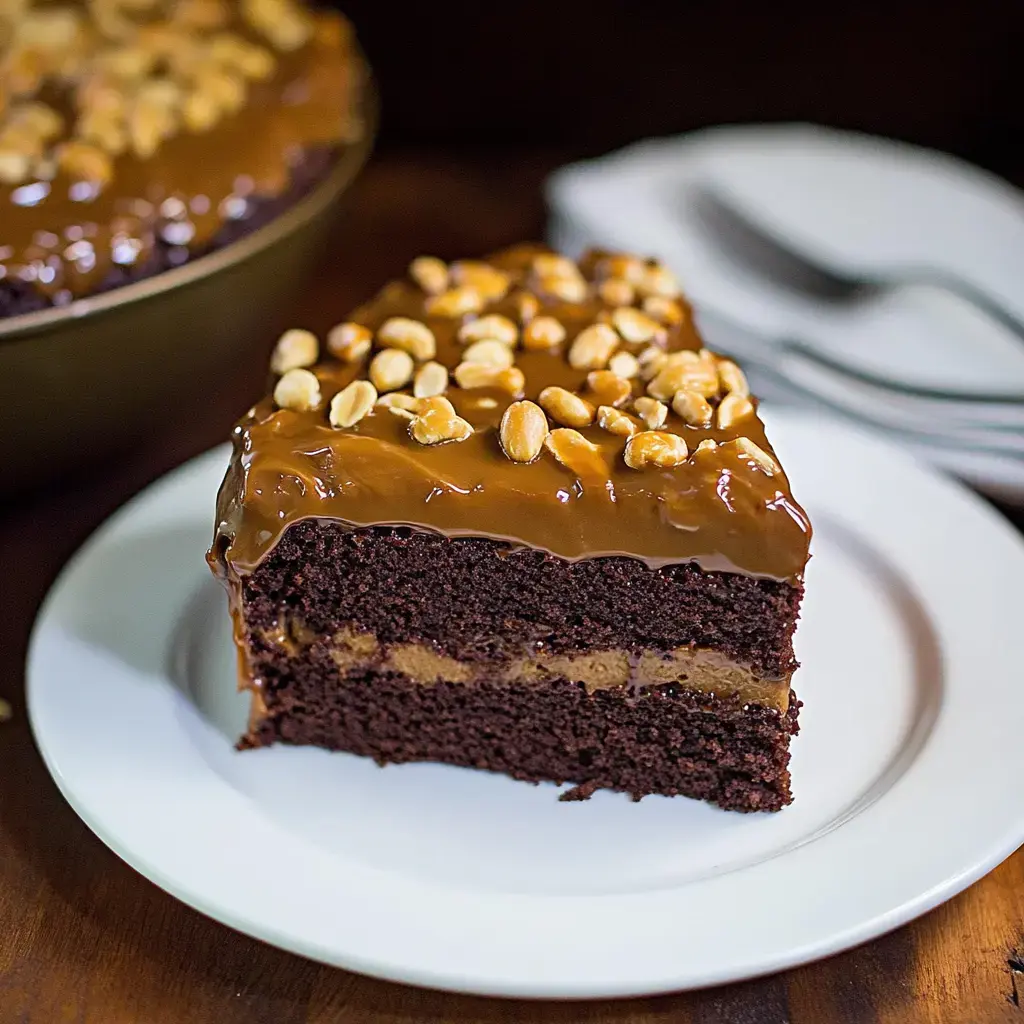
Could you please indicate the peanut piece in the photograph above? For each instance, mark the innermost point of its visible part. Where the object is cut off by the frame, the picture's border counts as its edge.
(616, 292)
(400, 404)
(523, 430)
(576, 453)
(733, 379)
(754, 453)
(489, 352)
(391, 369)
(635, 327)
(410, 336)
(352, 403)
(732, 409)
(655, 448)
(665, 311)
(480, 375)
(494, 326)
(431, 379)
(615, 421)
(566, 408)
(430, 273)
(455, 302)
(543, 332)
(298, 390)
(593, 347)
(625, 365)
(349, 342)
(295, 348)
(651, 411)
(437, 423)
(692, 408)
(492, 284)
(609, 388)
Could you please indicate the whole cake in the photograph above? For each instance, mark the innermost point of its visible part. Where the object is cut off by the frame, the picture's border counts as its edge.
(137, 134)
(513, 515)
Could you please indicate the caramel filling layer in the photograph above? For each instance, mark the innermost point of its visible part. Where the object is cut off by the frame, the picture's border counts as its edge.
(703, 671)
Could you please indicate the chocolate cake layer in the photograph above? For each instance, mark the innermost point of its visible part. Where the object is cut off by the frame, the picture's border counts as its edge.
(665, 740)
(478, 600)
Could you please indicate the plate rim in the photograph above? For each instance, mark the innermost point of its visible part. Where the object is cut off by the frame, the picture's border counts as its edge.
(453, 979)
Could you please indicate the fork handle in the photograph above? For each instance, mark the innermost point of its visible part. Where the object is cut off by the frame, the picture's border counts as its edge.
(967, 291)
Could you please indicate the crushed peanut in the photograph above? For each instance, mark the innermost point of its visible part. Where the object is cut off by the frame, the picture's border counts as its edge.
(566, 408)
(298, 390)
(494, 326)
(522, 432)
(490, 353)
(352, 403)
(391, 369)
(349, 342)
(692, 408)
(732, 409)
(707, 445)
(431, 379)
(615, 421)
(436, 422)
(430, 273)
(295, 348)
(593, 347)
(410, 336)
(655, 448)
(651, 411)
(543, 332)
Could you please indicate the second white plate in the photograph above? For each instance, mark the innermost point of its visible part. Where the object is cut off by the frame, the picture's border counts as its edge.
(903, 771)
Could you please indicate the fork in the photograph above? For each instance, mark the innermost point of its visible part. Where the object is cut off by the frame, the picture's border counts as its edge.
(774, 258)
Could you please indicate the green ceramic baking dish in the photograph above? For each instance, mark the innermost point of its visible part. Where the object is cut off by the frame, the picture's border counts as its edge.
(89, 379)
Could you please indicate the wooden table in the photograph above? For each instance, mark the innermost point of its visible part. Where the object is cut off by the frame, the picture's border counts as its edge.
(84, 939)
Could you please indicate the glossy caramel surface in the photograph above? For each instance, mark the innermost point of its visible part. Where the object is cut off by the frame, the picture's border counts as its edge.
(718, 508)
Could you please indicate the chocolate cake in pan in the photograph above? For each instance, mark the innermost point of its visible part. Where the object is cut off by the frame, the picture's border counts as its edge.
(512, 515)
(135, 136)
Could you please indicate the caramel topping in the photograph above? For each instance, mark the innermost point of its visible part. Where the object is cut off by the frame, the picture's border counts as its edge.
(523, 459)
(128, 124)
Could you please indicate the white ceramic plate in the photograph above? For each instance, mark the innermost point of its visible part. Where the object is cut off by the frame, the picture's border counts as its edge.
(906, 771)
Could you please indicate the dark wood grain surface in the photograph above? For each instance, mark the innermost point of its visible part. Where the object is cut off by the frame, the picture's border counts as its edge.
(85, 940)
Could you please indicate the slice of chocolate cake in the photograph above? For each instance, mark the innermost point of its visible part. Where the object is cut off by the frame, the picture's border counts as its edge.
(513, 516)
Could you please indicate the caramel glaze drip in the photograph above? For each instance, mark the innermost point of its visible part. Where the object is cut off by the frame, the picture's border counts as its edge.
(63, 236)
(716, 509)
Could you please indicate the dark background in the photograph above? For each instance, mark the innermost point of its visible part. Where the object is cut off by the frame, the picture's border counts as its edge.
(585, 76)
